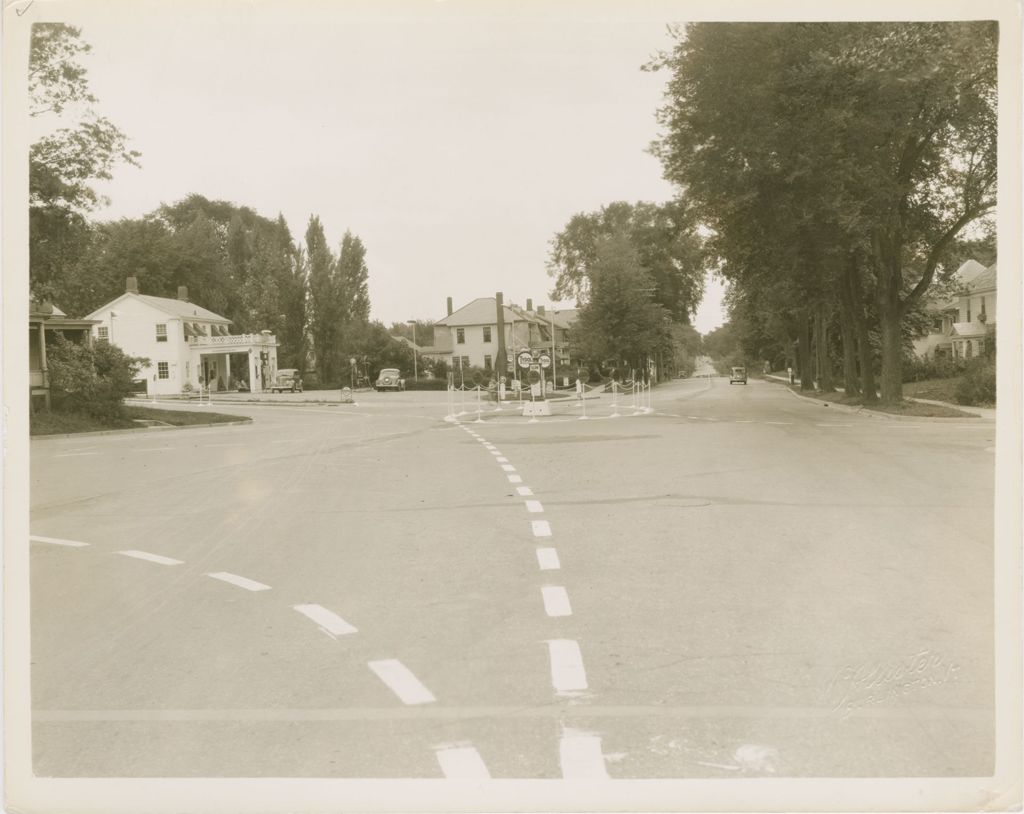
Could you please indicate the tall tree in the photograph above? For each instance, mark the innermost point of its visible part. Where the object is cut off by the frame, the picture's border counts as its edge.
(879, 136)
(664, 238)
(352, 281)
(325, 314)
(620, 321)
(77, 147)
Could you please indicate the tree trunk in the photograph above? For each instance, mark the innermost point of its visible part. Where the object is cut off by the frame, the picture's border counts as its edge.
(849, 337)
(892, 356)
(804, 354)
(821, 347)
(868, 389)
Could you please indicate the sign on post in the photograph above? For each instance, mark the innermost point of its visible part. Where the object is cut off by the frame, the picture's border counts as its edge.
(525, 359)
(545, 361)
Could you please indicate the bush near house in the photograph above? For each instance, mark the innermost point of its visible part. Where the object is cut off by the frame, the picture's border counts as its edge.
(978, 384)
(90, 381)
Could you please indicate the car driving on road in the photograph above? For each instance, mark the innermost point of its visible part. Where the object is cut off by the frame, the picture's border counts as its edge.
(287, 379)
(389, 379)
(738, 374)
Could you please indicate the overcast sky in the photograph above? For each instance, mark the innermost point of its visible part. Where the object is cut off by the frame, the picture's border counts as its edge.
(455, 138)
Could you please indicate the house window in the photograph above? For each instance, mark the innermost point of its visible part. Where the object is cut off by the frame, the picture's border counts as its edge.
(162, 370)
(968, 310)
(463, 362)
(487, 333)
(161, 332)
(937, 325)
(103, 333)
(983, 306)
(487, 363)
(460, 336)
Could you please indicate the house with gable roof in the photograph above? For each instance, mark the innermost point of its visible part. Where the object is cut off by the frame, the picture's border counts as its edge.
(468, 337)
(955, 331)
(188, 346)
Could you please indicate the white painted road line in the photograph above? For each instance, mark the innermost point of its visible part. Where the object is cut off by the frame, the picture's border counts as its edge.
(74, 454)
(556, 600)
(515, 478)
(779, 423)
(241, 582)
(581, 757)
(401, 681)
(524, 491)
(547, 559)
(462, 763)
(145, 555)
(328, 620)
(488, 446)
(57, 541)
(501, 459)
(534, 506)
(494, 452)
(508, 467)
(541, 528)
(567, 673)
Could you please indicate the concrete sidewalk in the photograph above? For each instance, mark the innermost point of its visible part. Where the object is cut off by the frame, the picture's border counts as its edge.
(983, 412)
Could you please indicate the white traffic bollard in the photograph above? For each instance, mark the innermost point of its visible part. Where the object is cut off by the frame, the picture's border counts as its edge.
(479, 408)
(615, 399)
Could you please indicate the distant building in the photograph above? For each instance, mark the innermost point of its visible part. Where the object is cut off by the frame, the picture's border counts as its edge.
(468, 337)
(187, 345)
(976, 316)
(44, 321)
(960, 323)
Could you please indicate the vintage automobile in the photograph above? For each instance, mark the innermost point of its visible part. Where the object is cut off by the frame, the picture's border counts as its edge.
(389, 379)
(738, 374)
(287, 379)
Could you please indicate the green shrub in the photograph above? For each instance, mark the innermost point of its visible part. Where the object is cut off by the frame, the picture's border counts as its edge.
(978, 385)
(91, 381)
(918, 370)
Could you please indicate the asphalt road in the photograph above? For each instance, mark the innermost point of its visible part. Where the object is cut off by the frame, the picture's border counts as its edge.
(737, 583)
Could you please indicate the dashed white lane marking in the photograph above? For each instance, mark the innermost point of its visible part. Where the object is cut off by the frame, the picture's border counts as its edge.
(541, 528)
(832, 424)
(501, 459)
(241, 582)
(74, 454)
(328, 620)
(515, 478)
(508, 467)
(462, 763)
(145, 555)
(401, 681)
(556, 600)
(547, 559)
(534, 506)
(744, 421)
(779, 423)
(57, 541)
(524, 491)
(567, 673)
(581, 757)
(488, 446)
(494, 452)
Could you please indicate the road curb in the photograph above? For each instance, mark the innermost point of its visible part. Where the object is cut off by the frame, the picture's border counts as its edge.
(876, 414)
(92, 433)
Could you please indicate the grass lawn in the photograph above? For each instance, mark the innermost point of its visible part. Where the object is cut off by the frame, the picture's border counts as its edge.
(51, 423)
(908, 408)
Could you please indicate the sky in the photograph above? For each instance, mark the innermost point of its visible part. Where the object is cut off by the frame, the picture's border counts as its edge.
(455, 138)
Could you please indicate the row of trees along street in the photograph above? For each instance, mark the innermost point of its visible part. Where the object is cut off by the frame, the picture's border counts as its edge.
(838, 170)
(232, 260)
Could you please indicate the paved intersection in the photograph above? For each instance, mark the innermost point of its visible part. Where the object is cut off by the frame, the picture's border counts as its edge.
(740, 583)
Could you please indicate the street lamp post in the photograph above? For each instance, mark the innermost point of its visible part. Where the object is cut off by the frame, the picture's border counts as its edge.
(415, 367)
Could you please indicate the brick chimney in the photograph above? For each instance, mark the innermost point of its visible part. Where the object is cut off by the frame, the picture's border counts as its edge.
(449, 306)
(131, 285)
(529, 304)
(540, 310)
(183, 293)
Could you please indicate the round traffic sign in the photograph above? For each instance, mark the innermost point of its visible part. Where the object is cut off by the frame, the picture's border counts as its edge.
(545, 361)
(525, 358)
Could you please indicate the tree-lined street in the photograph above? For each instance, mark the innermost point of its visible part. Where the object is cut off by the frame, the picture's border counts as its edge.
(740, 583)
